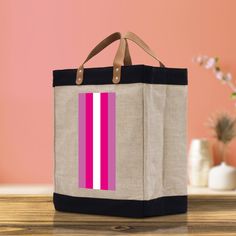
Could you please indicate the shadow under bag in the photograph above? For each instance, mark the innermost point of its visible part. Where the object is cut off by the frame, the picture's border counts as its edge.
(120, 136)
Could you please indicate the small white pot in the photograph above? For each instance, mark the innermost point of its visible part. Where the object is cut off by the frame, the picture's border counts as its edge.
(222, 177)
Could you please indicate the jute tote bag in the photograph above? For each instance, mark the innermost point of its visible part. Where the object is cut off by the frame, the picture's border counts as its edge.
(120, 136)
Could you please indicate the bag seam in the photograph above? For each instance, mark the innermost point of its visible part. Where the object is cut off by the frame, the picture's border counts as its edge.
(144, 150)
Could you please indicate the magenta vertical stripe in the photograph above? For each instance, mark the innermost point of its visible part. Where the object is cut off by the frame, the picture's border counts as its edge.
(81, 139)
(89, 140)
(107, 140)
(111, 141)
(104, 141)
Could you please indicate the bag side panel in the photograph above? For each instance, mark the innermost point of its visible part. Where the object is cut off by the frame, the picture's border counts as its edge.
(165, 141)
(175, 141)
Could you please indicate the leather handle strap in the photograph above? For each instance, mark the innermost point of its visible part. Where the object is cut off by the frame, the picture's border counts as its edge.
(126, 59)
(121, 52)
(136, 39)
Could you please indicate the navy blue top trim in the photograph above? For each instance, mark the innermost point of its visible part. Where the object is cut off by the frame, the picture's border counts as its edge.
(129, 74)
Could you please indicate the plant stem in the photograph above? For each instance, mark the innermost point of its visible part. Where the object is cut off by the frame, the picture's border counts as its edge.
(231, 85)
(223, 152)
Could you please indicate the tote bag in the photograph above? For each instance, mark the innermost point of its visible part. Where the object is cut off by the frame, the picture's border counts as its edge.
(120, 136)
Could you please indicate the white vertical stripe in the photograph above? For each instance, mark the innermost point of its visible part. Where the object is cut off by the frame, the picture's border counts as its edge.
(96, 141)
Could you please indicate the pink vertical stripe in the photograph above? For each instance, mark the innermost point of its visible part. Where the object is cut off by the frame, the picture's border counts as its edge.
(104, 141)
(81, 139)
(89, 140)
(111, 141)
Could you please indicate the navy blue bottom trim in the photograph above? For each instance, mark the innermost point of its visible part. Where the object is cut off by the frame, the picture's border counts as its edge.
(127, 208)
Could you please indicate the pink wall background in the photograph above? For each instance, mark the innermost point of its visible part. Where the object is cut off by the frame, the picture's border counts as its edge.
(39, 36)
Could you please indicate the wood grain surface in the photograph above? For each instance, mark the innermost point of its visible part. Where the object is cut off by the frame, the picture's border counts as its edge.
(35, 215)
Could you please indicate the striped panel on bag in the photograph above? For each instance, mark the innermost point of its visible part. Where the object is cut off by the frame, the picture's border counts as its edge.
(96, 140)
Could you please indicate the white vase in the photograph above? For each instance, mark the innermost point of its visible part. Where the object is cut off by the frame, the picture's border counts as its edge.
(199, 162)
(222, 177)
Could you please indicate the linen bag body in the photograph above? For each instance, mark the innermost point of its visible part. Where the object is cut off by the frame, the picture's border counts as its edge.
(120, 137)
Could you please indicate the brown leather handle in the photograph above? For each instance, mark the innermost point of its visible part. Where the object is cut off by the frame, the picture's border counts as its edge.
(126, 59)
(121, 55)
(136, 39)
(121, 52)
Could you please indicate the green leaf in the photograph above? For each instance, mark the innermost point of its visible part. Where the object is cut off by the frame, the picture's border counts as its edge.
(233, 95)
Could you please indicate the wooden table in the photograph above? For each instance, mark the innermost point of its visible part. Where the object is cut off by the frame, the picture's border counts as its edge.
(35, 215)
